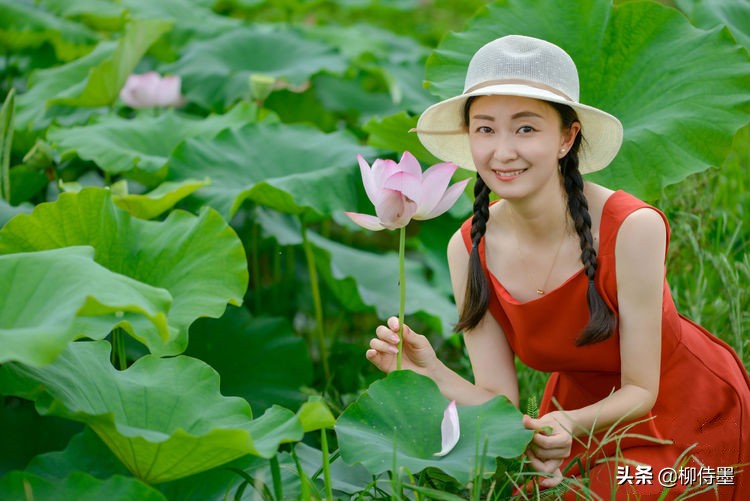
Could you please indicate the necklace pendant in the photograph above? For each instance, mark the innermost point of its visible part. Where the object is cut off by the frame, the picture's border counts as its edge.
(540, 292)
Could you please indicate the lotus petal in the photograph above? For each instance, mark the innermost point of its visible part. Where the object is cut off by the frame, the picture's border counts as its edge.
(434, 182)
(449, 198)
(394, 209)
(366, 221)
(450, 429)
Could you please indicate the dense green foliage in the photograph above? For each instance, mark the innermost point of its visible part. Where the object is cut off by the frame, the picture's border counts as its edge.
(184, 308)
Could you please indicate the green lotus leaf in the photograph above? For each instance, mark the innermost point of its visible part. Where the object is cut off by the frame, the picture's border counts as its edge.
(50, 295)
(118, 145)
(84, 452)
(164, 418)
(78, 485)
(105, 80)
(259, 359)
(315, 415)
(730, 13)
(291, 168)
(391, 133)
(401, 415)
(363, 280)
(101, 15)
(198, 259)
(642, 62)
(24, 26)
(216, 72)
(93, 80)
(361, 39)
(159, 200)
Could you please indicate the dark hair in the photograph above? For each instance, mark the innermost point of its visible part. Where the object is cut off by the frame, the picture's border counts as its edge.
(602, 321)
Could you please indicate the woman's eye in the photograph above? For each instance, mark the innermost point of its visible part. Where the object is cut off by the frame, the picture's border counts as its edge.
(483, 129)
(526, 129)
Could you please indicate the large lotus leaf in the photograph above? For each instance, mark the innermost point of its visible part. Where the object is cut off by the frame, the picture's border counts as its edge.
(118, 145)
(401, 415)
(731, 13)
(363, 280)
(392, 133)
(216, 72)
(159, 200)
(164, 418)
(84, 452)
(27, 434)
(49, 296)
(24, 26)
(78, 485)
(99, 14)
(361, 40)
(259, 359)
(360, 278)
(290, 168)
(640, 61)
(93, 80)
(198, 259)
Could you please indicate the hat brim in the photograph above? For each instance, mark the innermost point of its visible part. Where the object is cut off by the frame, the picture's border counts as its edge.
(442, 131)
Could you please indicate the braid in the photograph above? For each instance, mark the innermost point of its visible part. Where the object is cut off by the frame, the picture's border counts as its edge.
(602, 321)
(477, 296)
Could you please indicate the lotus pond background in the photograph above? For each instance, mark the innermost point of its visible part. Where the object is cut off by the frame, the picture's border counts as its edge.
(184, 308)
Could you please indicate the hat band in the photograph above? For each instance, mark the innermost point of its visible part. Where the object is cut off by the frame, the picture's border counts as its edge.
(511, 81)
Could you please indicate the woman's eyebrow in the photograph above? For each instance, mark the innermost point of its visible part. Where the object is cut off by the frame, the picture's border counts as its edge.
(520, 114)
(526, 114)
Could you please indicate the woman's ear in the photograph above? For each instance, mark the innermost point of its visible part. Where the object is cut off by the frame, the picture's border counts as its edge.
(568, 138)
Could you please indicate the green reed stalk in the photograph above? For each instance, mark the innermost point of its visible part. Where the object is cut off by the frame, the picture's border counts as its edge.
(326, 465)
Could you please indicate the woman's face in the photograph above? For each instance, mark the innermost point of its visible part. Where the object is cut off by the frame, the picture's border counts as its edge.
(516, 143)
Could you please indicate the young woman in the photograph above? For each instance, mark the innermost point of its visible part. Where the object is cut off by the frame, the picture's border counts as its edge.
(569, 276)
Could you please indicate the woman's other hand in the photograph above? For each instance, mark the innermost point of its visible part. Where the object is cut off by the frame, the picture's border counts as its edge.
(550, 446)
(418, 354)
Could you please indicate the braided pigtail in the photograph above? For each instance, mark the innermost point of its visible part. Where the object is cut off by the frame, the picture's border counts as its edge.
(602, 321)
(477, 297)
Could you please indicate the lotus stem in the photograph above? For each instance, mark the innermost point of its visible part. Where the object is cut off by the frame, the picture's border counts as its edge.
(255, 258)
(276, 475)
(7, 117)
(326, 465)
(402, 294)
(317, 303)
(118, 357)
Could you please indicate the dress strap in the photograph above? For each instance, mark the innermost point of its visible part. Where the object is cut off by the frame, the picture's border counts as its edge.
(616, 209)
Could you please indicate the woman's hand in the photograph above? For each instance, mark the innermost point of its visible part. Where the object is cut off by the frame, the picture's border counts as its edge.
(418, 354)
(550, 446)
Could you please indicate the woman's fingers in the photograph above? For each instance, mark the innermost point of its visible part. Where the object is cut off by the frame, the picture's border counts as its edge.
(383, 346)
(540, 465)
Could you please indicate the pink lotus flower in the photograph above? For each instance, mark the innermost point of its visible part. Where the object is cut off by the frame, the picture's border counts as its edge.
(449, 429)
(401, 192)
(151, 90)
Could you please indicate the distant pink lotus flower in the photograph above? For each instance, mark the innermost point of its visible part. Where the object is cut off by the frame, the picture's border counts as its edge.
(450, 430)
(151, 90)
(401, 192)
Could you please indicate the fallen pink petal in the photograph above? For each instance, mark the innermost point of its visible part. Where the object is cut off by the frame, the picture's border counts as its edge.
(450, 429)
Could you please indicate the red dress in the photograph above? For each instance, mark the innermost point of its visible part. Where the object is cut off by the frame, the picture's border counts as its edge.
(704, 390)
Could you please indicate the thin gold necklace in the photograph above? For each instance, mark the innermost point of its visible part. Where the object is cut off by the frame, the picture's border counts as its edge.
(543, 290)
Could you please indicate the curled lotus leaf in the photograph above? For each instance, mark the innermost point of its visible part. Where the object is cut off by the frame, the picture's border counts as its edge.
(164, 418)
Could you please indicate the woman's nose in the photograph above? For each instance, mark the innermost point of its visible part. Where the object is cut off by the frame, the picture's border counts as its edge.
(504, 150)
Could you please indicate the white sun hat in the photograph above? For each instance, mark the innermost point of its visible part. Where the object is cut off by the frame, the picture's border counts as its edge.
(517, 65)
